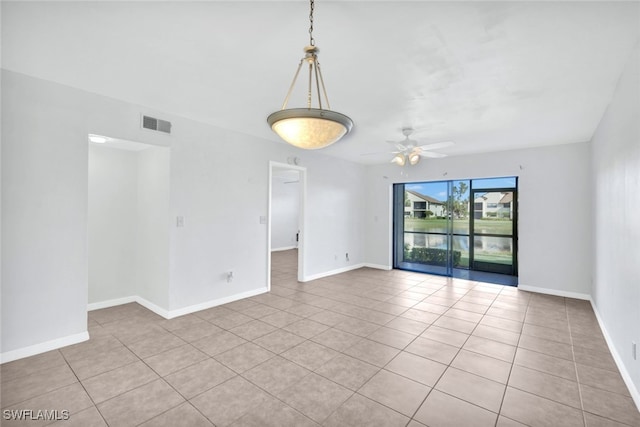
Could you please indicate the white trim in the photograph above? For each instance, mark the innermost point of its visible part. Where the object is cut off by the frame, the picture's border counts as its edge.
(127, 300)
(155, 308)
(285, 248)
(43, 347)
(111, 303)
(170, 314)
(377, 266)
(626, 377)
(555, 292)
(332, 272)
(215, 302)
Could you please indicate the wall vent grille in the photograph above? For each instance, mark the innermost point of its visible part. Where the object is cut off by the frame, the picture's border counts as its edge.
(152, 123)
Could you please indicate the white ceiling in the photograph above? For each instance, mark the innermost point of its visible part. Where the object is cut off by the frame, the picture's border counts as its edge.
(488, 75)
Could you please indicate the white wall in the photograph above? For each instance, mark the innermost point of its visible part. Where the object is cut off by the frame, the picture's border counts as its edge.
(554, 210)
(285, 208)
(335, 215)
(222, 199)
(44, 214)
(113, 199)
(616, 221)
(152, 226)
(45, 199)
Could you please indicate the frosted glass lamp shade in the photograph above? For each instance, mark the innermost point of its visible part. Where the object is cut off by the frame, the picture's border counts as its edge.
(309, 128)
(414, 158)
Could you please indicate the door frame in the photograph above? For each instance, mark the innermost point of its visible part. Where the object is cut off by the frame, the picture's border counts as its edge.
(301, 217)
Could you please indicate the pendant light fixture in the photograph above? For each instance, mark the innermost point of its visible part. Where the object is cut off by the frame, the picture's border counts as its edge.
(310, 128)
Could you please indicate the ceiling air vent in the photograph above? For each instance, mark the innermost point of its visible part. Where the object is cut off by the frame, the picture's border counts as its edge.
(156, 124)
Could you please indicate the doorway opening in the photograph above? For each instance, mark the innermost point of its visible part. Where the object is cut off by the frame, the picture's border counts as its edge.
(128, 222)
(287, 197)
(462, 228)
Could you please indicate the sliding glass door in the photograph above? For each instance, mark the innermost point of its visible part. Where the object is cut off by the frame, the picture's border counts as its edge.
(494, 227)
(447, 226)
(424, 227)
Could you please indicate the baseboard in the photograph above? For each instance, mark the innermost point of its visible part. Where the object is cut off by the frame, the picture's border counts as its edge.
(170, 314)
(214, 303)
(633, 390)
(153, 307)
(332, 272)
(284, 248)
(555, 292)
(127, 300)
(32, 350)
(378, 266)
(111, 303)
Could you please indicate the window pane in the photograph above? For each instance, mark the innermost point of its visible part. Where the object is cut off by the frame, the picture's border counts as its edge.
(488, 183)
(493, 213)
(425, 249)
(460, 206)
(496, 250)
(460, 251)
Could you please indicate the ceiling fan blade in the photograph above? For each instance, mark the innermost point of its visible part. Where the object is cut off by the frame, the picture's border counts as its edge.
(436, 145)
(372, 154)
(398, 145)
(432, 155)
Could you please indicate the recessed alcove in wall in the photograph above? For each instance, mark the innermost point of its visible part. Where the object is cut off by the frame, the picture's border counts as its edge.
(128, 222)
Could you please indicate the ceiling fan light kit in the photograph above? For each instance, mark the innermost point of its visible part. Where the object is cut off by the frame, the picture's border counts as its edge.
(399, 159)
(409, 152)
(310, 128)
(414, 157)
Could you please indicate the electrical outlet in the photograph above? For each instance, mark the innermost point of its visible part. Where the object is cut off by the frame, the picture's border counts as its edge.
(346, 256)
(634, 352)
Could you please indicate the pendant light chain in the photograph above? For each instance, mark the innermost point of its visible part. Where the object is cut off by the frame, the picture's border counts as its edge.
(312, 41)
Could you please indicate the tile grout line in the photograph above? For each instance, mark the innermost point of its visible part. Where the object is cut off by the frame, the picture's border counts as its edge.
(85, 390)
(339, 306)
(513, 363)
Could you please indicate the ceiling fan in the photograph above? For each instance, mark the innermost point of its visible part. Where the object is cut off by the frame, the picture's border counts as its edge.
(410, 152)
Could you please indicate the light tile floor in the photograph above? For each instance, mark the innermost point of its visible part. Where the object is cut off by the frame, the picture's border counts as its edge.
(363, 348)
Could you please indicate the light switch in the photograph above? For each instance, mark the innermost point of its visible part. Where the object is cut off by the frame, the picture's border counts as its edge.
(180, 221)
(263, 219)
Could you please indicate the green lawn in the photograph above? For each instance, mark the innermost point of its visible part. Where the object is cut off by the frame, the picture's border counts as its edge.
(460, 226)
